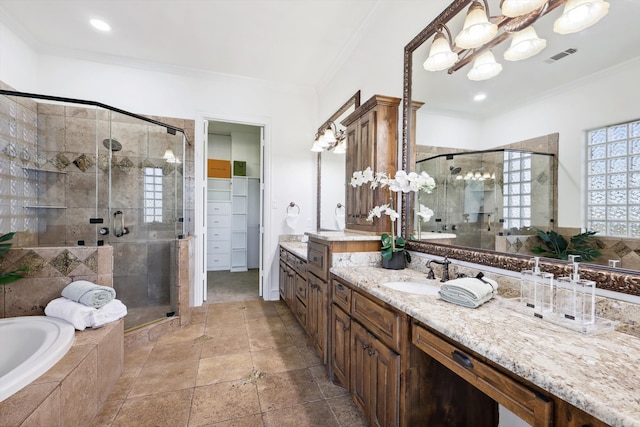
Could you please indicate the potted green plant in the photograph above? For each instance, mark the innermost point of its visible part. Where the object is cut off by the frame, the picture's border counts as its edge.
(9, 276)
(556, 246)
(394, 254)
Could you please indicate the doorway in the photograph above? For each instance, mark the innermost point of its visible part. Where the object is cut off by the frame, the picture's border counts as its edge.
(234, 211)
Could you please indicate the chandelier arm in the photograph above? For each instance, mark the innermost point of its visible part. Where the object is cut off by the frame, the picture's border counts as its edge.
(466, 58)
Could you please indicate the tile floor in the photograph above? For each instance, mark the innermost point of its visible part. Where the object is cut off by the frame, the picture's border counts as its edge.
(241, 363)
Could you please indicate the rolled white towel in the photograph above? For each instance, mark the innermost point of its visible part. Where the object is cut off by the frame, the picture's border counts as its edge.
(88, 293)
(110, 312)
(82, 316)
(469, 291)
(79, 315)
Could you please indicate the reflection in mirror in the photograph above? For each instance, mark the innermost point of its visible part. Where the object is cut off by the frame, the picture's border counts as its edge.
(579, 82)
(331, 188)
(494, 199)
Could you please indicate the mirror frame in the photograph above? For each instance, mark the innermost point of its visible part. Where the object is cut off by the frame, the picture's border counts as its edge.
(612, 279)
(354, 101)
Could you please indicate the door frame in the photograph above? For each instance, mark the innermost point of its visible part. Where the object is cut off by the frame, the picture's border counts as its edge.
(199, 284)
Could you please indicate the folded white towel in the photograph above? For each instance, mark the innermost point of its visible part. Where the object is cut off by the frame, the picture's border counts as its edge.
(88, 293)
(82, 316)
(468, 291)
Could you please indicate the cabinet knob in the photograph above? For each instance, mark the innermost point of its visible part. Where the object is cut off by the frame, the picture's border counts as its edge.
(371, 352)
(345, 329)
(365, 346)
(341, 287)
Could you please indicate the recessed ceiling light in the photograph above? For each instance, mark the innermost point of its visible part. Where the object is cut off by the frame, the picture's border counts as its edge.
(100, 25)
(480, 97)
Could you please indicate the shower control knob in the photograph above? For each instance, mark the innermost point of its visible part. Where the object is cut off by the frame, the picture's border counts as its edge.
(104, 231)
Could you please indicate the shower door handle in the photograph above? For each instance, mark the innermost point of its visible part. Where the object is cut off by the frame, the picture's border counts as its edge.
(119, 230)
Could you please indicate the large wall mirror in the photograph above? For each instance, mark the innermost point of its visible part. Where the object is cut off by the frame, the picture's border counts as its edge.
(331, 181)
(579, 82)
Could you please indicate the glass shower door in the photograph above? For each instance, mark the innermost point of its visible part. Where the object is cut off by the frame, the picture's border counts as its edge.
(144, 215)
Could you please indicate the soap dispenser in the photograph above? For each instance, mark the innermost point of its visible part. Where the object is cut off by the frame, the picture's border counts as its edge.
(536, 290)
(575, 299)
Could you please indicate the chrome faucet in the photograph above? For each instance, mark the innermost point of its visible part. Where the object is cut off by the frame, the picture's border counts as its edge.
(445, 267)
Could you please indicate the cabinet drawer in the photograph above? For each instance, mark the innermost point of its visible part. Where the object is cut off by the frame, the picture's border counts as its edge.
(301, 312)
(217, 234)
(318, 259)
(218, 246)
(218, 208)
(519, 399)
(218, 261)
(341, 294)
(301, 289)
(300, 265)
(219, 221)
(384, 323)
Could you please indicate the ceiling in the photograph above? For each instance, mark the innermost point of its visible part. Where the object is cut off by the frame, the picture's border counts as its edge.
(304, 42)
(612, 41)
(294, 41)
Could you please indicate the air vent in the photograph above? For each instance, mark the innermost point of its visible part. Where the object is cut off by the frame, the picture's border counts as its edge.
(559, 56)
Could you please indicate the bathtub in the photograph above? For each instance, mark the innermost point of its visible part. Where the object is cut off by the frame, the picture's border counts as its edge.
(30, 346)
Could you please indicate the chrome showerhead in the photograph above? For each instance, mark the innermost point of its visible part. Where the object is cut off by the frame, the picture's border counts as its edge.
(455, 170)
(112, 144)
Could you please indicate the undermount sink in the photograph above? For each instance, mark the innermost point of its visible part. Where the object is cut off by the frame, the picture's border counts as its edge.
(419, 288)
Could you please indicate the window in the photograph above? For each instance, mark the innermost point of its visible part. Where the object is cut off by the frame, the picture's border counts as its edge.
(152, 194)
(613, 180)
(516, 190)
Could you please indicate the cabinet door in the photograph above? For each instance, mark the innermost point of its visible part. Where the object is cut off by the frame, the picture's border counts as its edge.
(290, 287)
(318, 315)
(340, 346)
(282, 280)
(365, 157)
(320, 308)
(385, 392)
(360, 367)
(351, 166)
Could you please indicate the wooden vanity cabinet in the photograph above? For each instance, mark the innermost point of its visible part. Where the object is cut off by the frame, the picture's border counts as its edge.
(527, 403)
(368, 339)
(372, 141)
(293, 285)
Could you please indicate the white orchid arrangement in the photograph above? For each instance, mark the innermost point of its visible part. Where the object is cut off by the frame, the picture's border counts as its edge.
(401, 182)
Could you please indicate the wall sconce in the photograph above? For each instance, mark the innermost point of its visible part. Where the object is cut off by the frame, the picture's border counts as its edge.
(580, 14)
(481, 33)
(329, 139)
(484, 67)
(524, 44)
(477, 30)
(441, 55)
(515, 8)
(170, 157)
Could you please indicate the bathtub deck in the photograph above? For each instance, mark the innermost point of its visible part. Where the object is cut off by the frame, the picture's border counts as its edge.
(72, 392)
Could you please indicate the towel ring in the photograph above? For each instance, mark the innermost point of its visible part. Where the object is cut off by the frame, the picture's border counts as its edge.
(338, 206)
(293, 205)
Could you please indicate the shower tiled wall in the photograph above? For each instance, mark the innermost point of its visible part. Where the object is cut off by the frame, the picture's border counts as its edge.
(54, 177)
(50, 270)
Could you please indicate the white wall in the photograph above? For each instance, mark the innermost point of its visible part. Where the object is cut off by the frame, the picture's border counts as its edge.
(608, 98)
(246, 148)
(18, 62)
(219, 147)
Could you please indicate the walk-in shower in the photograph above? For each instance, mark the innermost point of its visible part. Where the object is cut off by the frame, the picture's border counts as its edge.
(483, 195)
(79, 173)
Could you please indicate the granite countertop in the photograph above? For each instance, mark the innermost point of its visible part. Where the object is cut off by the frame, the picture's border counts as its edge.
(297, 248)
(599, 374)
